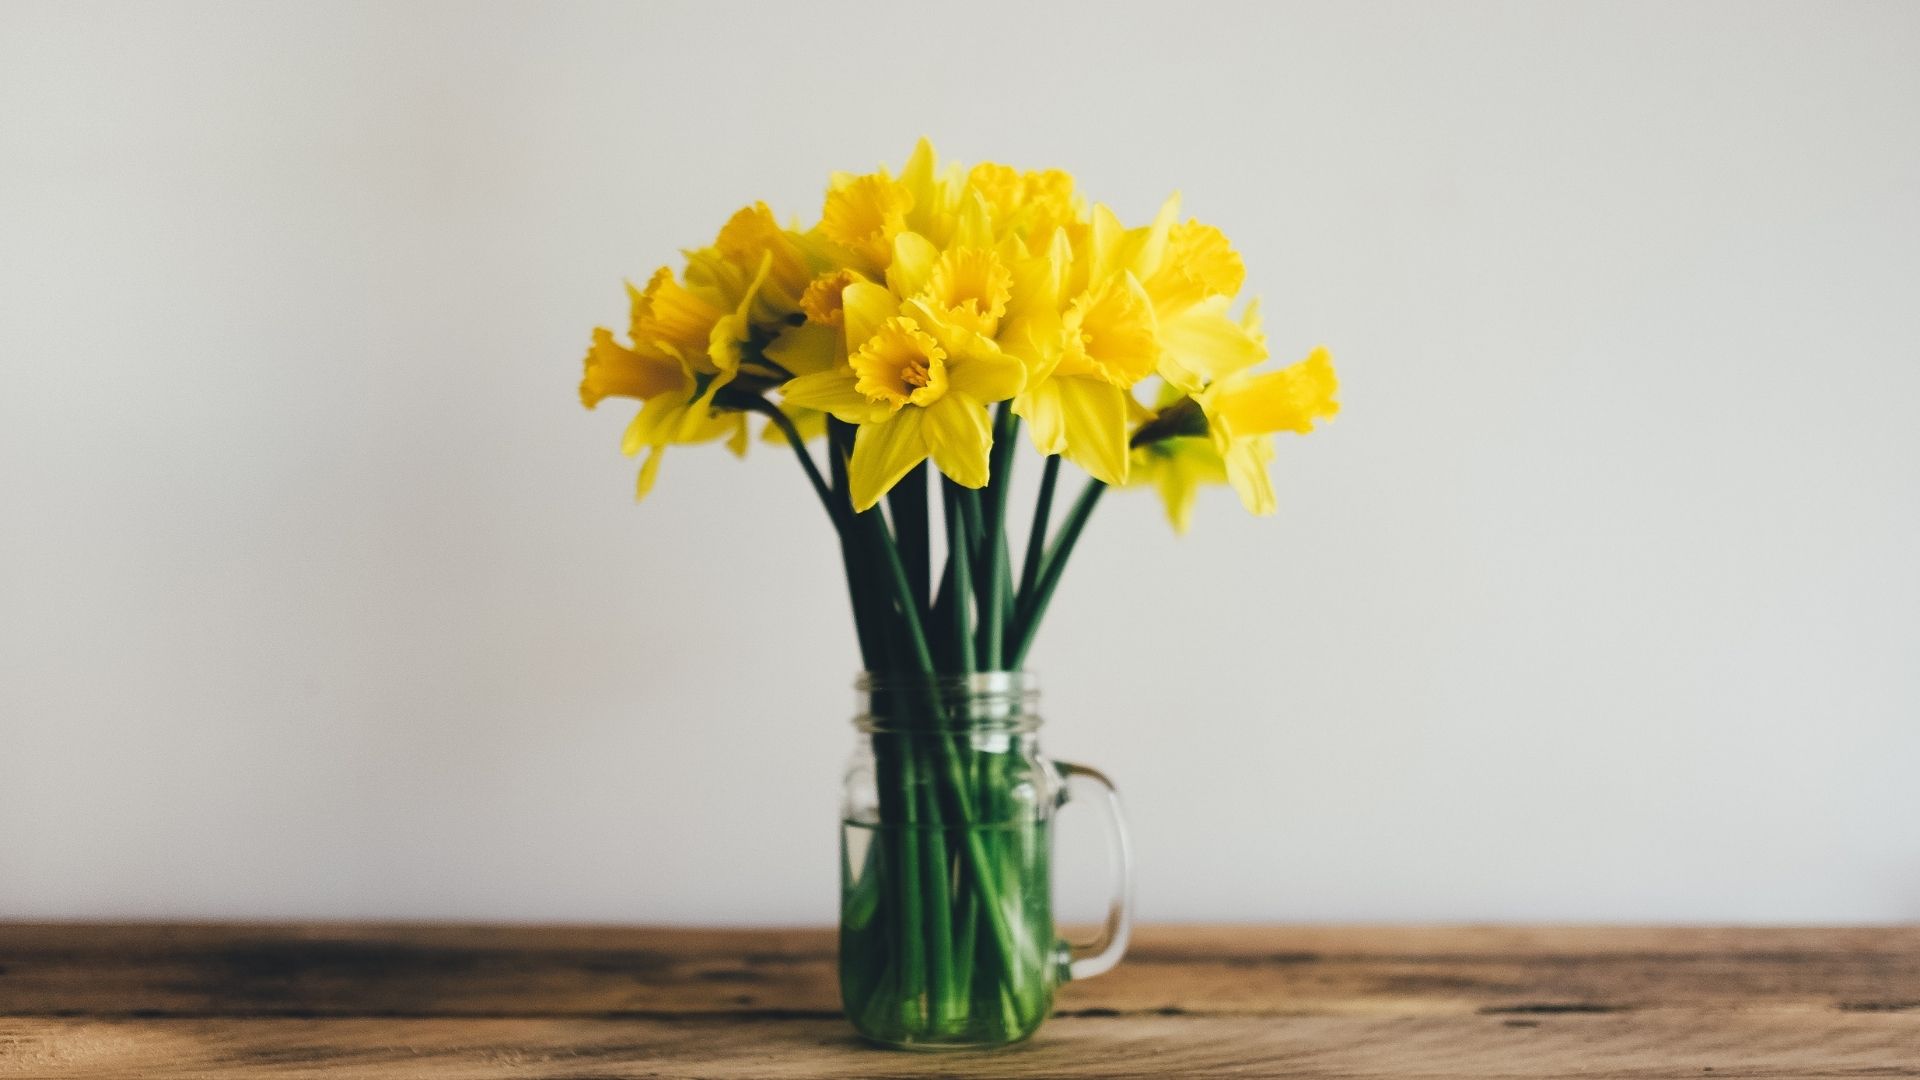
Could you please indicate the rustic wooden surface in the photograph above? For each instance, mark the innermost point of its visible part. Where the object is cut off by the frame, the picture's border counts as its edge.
(473, 1002)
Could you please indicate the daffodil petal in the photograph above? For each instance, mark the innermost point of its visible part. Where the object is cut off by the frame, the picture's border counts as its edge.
(883, 453)
(1153, 243)
(958, 435)
(1107, 237)
(986, 376)
(1039, 406)
(1191, 463)
(806, 349)
(614, 370)
(913, 259)
(1290, 399)
(650, 426)
(649, 469)
(933, 195)
(1094, 413)
(1035, 342)
(724, 340)
(1162, 465)
(723, 344)
(1202, 340)
(975, 227)
(1246, 463)
(865, 306)
(830, 392)
(917, 174)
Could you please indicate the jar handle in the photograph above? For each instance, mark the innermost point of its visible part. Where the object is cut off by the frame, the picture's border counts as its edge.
(1099, 956)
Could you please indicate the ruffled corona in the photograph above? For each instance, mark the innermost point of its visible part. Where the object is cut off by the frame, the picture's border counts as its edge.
(970, 287)
(864, 214)
(900, 364)
(752, 235)
(821, 300)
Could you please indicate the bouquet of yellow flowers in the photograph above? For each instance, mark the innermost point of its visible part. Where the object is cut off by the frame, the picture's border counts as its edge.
(926, 317)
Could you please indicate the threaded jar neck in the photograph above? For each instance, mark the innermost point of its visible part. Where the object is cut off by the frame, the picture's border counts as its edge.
(895, 702)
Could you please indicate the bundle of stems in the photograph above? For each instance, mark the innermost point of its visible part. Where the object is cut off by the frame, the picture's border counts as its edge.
(938, 936)
(979, 618)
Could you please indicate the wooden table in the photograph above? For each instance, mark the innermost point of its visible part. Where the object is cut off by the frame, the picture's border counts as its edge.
(390, 1001)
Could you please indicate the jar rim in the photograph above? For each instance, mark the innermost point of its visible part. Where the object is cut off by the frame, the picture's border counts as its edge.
(897, 702)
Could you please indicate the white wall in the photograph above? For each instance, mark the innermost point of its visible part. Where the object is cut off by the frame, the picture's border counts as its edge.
(320, 595)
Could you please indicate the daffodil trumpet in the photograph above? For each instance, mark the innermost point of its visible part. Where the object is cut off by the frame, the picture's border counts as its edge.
(920, 332)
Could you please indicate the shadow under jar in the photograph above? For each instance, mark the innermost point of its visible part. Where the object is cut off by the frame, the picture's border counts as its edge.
(946, 905)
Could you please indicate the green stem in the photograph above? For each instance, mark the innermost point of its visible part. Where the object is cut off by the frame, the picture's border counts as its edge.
(1037, 537)
(1007, 605)
(907, 839)
(1056, 564)
(881, 540)
(940, 615)
(970, 514)
(834, 507)
(969, 940)
(960, 567)
(993, 611)
(896, 771)
(973, 539)
(866, 622)
(908, 504)
(943, 1001)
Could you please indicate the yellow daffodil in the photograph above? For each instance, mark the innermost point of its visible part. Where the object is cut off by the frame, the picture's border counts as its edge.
(1192, 274)
(1178, 468)
(654, 372)
(918, 387)
(1245, 410)
(817, 342)
(731, 265)
(935, 195)
(863, 215)
(1027, 204)
(1079, 403)
(970, 287)
(1224, 433)
(708, 322)
(690, 338)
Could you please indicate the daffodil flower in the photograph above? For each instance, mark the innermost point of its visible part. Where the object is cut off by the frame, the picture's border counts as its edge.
(754, 257)
(1224, 434)
(1178, 467)
(1107, 340)
(1246, 409)
(654, 373)
(1027, 204)
(862, 217)
(1191, 274)
(917, 386)
(689, 340)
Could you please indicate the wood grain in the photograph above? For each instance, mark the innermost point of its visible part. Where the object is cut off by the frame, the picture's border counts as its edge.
(378, 1001)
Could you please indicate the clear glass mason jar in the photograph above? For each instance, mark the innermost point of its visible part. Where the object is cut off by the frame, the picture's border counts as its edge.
(946, 918)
